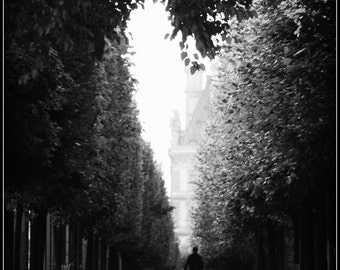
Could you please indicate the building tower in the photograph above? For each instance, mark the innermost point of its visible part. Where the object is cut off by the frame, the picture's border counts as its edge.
(182, 155)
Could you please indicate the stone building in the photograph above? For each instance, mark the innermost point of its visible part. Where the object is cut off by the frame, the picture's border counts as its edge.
(182, 152)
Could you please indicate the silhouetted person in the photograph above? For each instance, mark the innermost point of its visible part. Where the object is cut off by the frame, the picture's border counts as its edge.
(194, 261)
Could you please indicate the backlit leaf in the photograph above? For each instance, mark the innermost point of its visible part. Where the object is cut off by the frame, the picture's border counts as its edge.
(184, 55)
(193, 70)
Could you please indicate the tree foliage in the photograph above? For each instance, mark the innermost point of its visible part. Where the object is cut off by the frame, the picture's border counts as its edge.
(64, 26)
(74, 149)
(157, 236)
(68, 26)
(270, 139)
(73, 144)
(208, 22)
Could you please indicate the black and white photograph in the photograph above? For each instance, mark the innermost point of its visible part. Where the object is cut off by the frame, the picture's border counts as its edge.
(169, 135)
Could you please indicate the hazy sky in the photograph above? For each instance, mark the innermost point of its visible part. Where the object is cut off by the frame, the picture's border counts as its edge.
(160, 72)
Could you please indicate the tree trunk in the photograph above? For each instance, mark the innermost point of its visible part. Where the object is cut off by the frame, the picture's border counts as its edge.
(272, 247)
(17, 236)
(306, 236)
(259, 259)
(113, 258)
(24, 243)
(84, 253)
(296, 237)
(319, 229)
(102, 255)
(280, 262)
(330, 225)
(9, 236)
(74, 246)
(330, 229)
(89, 257)
(99, 264)
(49, 243)
(58, 247)
(95, 252)
(38, 238)
(78, 244)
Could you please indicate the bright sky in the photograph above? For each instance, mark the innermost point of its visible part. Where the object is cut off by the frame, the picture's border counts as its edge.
(161, 76)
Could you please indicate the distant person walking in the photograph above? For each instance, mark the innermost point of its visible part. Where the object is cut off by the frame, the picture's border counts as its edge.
(194, 261)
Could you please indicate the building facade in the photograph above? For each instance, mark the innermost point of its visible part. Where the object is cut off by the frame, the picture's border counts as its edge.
(184, 143)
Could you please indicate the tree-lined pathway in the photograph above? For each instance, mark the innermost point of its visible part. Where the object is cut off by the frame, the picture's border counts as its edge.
(82, 188)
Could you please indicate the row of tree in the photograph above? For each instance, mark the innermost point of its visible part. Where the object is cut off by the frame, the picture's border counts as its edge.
(73, 145)
(72, 137)
(267, 165)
